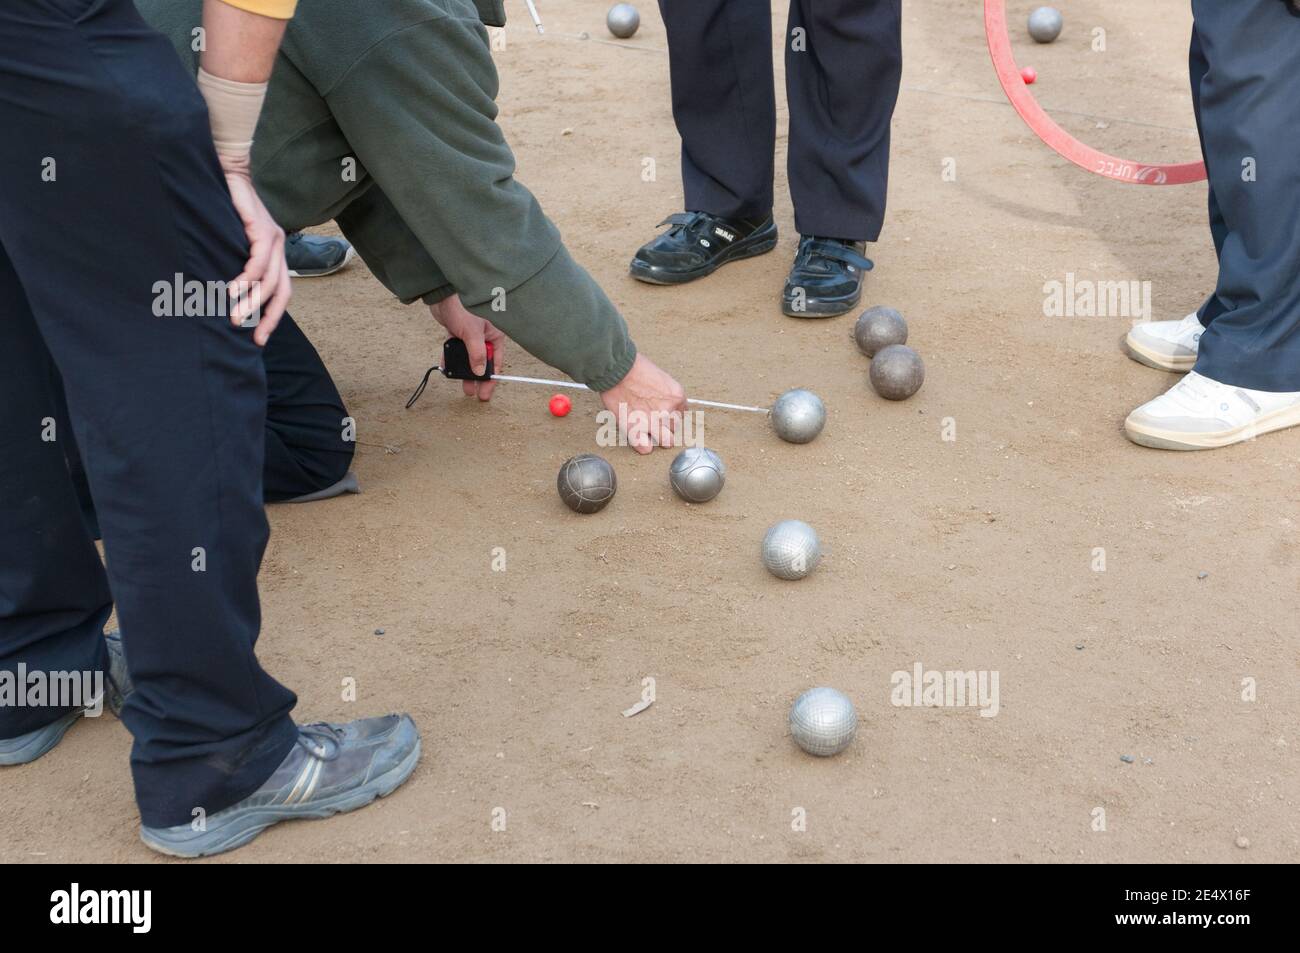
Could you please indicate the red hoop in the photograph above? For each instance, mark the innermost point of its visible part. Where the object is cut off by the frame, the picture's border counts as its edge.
(1060, 141)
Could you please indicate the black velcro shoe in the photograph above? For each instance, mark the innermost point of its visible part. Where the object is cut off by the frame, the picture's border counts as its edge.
(698, 244)
(826, 278)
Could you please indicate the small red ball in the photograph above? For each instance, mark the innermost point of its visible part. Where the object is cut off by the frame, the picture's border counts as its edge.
(560, 405)
(1029, 74)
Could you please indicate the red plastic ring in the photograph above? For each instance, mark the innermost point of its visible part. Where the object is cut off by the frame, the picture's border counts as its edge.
(1060, 141)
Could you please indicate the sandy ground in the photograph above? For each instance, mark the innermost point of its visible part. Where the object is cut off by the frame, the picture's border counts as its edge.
(970, 554)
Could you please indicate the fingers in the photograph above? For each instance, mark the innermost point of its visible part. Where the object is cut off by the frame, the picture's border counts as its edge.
(275, 309)
(475, 344)
(638, 436)
(667, 424)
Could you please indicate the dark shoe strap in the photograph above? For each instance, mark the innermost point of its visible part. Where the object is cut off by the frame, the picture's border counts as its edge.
(834, 250)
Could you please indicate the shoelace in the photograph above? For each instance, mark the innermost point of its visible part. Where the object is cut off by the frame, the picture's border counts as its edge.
(329, 740)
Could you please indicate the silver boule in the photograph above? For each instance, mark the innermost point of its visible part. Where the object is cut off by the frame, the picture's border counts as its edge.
(798, 416)
(586, 483)
(791, 549)
(697, 474)
(1045, 24)
(823, 721)
(622, 20)
(879, 327)
(897, 372)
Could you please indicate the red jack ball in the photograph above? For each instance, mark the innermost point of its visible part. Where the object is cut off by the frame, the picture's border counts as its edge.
(560, 405)
(1029, 74)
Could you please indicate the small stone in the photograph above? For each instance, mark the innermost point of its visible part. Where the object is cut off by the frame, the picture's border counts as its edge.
(1079, 647)
(1126, 758)
(1202, 574)
(1243, 842)
(379, 631)
(566, 131)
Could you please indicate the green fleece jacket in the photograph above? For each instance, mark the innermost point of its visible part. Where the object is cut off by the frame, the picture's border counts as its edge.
(381, 115)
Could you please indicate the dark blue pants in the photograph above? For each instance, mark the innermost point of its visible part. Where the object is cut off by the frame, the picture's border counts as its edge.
(307, 445)
(1245, 73)
(841, 87)
(109, 185)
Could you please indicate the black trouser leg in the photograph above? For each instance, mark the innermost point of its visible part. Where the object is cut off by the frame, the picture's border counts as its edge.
(109, 188)
(54, 595)
(309, 439)
(724, 102)
(841, 76)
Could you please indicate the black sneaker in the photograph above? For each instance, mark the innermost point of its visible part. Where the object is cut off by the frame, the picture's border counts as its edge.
(698, 244)
(826, 278)
(314, 256)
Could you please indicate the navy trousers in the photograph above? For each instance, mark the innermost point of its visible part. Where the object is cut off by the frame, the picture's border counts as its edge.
(1245, 74)
(308, 444)
(843, 60)
(109, 186)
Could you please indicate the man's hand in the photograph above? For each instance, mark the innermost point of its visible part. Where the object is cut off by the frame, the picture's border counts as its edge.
(654, 402)
(238, 55)
(475, 332)
(264, 283)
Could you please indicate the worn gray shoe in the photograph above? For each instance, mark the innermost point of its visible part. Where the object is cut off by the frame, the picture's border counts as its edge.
(332, 769)
(314, 256)
(27, 748)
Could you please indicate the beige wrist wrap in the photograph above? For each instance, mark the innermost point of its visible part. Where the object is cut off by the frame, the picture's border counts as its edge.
(233, 109)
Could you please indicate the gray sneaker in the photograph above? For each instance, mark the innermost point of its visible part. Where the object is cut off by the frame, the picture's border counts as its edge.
(27, 748)
(332, 769)
(314, 256)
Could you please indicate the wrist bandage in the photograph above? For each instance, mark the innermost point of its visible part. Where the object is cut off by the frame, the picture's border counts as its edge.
(233, 109)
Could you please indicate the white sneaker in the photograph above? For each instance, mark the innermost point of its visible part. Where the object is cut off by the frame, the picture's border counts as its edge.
(1200, 414)
(1166, 345)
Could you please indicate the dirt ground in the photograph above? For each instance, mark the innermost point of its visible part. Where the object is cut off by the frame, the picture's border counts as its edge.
(977, 553)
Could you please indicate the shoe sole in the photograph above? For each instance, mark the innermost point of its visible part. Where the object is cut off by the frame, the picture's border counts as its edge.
(33, 749)
(327, 271)
(247, 824)
(821, 307)
(1144, 355)
(1173, 440)
(737, 252)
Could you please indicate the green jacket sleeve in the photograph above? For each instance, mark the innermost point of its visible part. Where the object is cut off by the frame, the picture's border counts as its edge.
(391, 250)
(419, 110)
(563, 301)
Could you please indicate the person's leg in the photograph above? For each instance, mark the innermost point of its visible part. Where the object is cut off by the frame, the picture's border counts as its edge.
(842, 76)
(309, 443)
(106, 144)
(1212, 307)
(1250, 118)
(309, 439)
(54, 597)
(1246, 379)
(724, 103)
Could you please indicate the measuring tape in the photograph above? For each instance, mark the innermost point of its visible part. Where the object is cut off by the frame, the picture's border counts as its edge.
(1060, 141)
